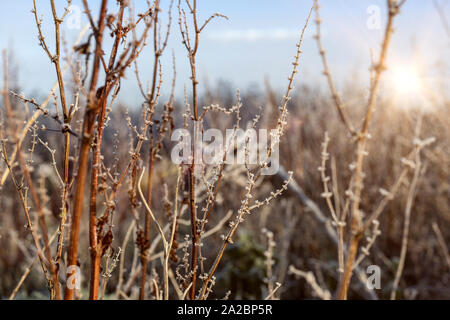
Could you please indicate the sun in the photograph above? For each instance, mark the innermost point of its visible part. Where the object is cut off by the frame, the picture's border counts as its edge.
(406, 79)
(406, 83)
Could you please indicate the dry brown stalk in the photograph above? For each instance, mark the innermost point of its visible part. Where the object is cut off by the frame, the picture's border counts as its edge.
(409, 203)
(96, 110)
(55, 59)
(335, 95)
(92, 109)
(356, 224)
(38, 113)
(192, 48)
(151, 100)
(96, 239)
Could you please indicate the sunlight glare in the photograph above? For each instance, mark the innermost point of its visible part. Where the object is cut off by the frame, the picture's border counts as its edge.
(407, 84)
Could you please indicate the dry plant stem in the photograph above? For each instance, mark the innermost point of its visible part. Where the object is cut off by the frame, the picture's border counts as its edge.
(26, 172)
(105, 280)
(144, 255)
(193, 210)
(442, 243)
(155, 242)
(338, 219)
(377, 212)
(387, 197)
(166, 244)
(172, 238)
(55, 59)
(65, 186)
(335, 95)
(192, 50)
(30, 183)
(28, 270)
(109, 268)
(175, 285)
(91, 111)
(323, 294)
(38, 113)
(152, 103)
(94, 241)
(409, 203)
(192, 204)
(21, 138)
(207, 234)
(356, 223)
(122, 257)
(113, 77)
(30, 226)
(6, 85)
(212, 199)
(271, 294)
(163, 238)
(341, 216)
(42, 223)
(320, 217)
(283, 111)
(131, 165)
(97, 101)
(269, 261)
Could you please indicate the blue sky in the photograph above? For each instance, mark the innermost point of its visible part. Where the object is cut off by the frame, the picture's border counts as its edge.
(257, 41)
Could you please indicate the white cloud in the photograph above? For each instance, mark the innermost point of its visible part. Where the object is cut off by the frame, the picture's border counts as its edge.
(253, 34)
